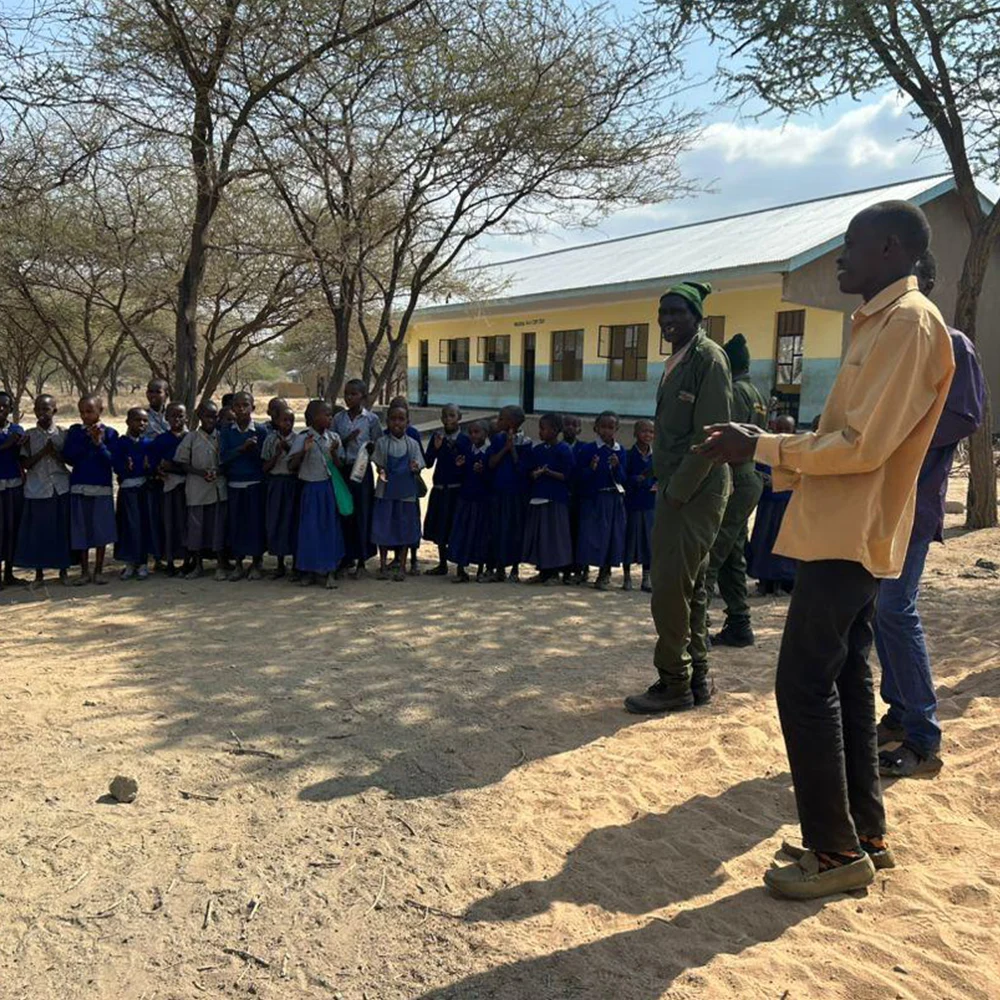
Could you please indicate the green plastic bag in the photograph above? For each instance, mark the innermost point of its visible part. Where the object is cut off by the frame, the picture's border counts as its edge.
(341, 491)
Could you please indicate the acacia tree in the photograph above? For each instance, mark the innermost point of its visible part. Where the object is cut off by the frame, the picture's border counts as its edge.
(468, 118)
(945, 56)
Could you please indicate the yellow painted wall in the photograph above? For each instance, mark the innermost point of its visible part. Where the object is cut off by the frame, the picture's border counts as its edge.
(751, 312)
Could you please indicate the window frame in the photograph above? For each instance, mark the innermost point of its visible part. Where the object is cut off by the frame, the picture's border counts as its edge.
(493, 353)
(558, 367)
(449, 355)
(626, 362)
(790, 325)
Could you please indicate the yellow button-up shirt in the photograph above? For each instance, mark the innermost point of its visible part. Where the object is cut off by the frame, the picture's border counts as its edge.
(855, 479)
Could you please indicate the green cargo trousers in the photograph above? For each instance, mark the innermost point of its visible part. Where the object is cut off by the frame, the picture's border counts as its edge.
(682, 539)
(727, 564)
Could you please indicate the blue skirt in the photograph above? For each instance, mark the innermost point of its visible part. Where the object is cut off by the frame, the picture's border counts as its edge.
(174, 525)
(206, 528)
(638, 537)
(441, 506)
(11, 508)
(246, 521)
(762, 563)
(396, 523)
(281, 514)
(43, 540)
(358, 527)
(602, 530)
(507, 529)
(469, 542)
(132, 544)
(154, 503)
(91, 522)
(547, 540)
(320, 545)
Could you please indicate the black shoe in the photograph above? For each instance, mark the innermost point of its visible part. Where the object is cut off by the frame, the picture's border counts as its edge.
(887, 733)
(738, 638)
(440, 570)
(702, 691)
(657, 699)
(461, 577)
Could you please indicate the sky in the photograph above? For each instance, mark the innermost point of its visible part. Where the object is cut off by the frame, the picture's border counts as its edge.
(750, 164)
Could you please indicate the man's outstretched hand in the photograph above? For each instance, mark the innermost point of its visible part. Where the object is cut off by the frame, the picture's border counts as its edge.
(729, 443)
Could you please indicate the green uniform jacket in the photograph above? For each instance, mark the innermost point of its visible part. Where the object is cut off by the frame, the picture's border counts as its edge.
(749, 407)
(698, 392)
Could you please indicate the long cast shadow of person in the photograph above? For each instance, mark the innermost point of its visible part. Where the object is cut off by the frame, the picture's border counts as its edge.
(639, 964)
(657, 859)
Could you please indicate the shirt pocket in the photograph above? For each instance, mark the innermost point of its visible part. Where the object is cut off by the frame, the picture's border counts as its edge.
(676, 415)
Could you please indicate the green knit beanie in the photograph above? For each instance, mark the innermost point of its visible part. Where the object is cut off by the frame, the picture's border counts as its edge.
(693, 293)
(738, 353)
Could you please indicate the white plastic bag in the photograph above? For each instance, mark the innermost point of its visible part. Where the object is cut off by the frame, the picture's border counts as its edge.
(360, 468)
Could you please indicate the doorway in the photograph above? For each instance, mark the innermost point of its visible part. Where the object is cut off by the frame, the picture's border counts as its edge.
(424, 376)
(528, 373)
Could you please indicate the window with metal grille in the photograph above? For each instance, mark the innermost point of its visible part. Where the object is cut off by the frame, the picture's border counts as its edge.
(789, 347)
(494, 355)
(455, 354)
(567, 356)
(626, 348)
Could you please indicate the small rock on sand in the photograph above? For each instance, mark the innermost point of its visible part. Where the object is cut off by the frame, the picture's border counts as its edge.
(954, 507)
(123, 789)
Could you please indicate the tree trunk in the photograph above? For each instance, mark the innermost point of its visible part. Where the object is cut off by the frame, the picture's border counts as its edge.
(981, 501)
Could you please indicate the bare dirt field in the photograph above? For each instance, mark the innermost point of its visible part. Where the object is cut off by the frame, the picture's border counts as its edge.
(427, 791)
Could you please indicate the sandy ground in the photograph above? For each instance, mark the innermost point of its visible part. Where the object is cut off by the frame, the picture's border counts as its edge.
(441, 797)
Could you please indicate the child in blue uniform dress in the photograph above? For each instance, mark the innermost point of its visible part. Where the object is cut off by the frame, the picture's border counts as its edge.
(239, 456)
(574, 574)
(640, 502)
(43, 538)
(469, 541)
(11, 487)
(508, 459)
(396, 519)
(281, 508)
(547, 539)
(412, 432)
(170, 532)
(358, 428)
(320, 543)
(130, 460)
(91, 508)
(443, 452)
(601, 474)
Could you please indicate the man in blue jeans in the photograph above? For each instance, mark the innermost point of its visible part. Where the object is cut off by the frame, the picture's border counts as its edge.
(911, 726)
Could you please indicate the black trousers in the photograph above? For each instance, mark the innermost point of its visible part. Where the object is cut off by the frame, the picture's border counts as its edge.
(826, 702)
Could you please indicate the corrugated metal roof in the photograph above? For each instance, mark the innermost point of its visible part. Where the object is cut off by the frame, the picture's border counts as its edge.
(772, 239)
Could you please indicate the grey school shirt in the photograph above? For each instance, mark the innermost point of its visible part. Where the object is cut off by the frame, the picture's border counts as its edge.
(270, 447)
(313, 468)
(49, 477)
(200, 451)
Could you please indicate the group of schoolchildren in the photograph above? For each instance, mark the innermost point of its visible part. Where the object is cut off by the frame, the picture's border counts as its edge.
(324, 500)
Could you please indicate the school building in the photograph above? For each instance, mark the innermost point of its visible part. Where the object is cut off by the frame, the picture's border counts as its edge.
(575, 330)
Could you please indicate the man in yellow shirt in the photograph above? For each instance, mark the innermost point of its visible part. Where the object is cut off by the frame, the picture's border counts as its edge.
(848, 524)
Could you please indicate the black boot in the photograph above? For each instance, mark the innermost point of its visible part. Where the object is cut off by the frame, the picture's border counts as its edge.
(657, 699)
(739, 637)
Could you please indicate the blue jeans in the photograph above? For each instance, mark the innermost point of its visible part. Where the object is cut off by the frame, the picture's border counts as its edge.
(907, 685)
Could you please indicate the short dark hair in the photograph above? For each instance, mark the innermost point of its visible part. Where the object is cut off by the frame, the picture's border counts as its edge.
(925, 269)
(157, 382)
(554, 420)
(312, 406)
(133, 410)
(227, 398)
(606, 413)
(515, 411)
(904, 221)
(357, 383)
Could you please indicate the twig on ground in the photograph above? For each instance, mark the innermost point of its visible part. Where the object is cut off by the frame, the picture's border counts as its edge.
(199, 796)
(254, 907)
(400, 819)
(77, 882)
(378, 896)
(209, 907)
(247, 957)
(520, 760)
(432, 909)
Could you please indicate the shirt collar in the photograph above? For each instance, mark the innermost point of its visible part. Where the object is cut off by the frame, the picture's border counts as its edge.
(887, 296)
(614, 446)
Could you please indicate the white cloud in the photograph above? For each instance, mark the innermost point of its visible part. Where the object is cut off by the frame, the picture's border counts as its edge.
(871, 135)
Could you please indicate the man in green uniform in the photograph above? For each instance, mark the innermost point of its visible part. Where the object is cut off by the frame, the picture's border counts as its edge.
(727, 562)
(694, 390)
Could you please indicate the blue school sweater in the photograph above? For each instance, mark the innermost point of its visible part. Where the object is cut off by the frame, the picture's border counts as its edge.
(639, 494)
(163, 448)
(10, 467)
(91, 462)
(136, 449)
(475, 484)
(558, 458)
(412, 432)
(593, 481)
(241, 467)
(510, 476)
(442, 460)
